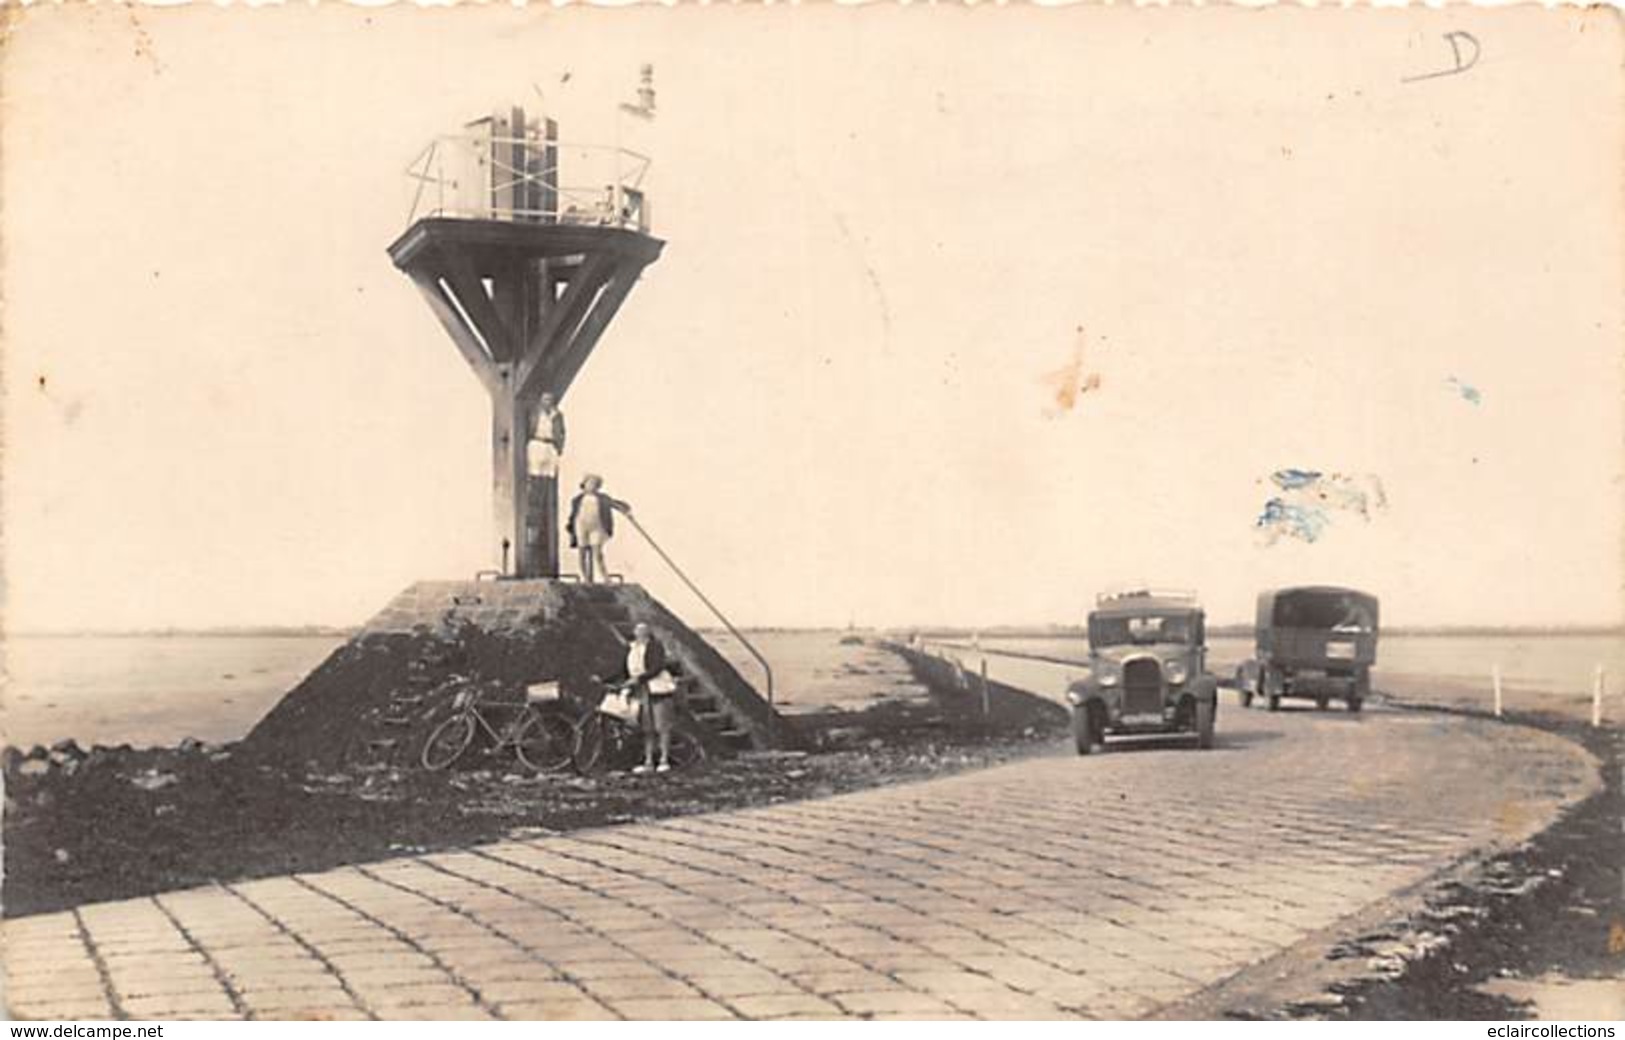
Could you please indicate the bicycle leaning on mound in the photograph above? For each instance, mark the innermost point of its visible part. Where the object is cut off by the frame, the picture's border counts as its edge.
(544, 733)
(538, 728)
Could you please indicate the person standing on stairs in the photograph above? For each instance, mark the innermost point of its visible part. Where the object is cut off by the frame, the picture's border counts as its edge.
(546, 445)
(592, 523)
(646, 675)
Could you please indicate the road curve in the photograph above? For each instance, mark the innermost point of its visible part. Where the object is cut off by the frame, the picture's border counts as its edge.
(1053, 887)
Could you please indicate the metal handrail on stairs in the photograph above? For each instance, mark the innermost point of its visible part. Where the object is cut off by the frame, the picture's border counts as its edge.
(767, 669)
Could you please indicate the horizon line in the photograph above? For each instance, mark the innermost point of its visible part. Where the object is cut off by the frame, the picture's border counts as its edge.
(1012, 630)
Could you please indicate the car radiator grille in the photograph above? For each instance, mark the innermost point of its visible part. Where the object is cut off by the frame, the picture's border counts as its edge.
(1142, 687)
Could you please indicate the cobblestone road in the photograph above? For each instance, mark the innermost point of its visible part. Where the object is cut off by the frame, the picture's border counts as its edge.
(1053, 887)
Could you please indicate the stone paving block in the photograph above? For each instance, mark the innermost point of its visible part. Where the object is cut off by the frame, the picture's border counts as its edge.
(392, 953)
(326, 1014)
(825, 981)
(167, 986)
(804, 963)
(161, 960)
(675, 1009)
(727, 987)
(784, 1005)
(300, 976)
(566, 948)
(177, 1005)
(1016, 971)
(143, 946)
(611, 990)
(520, 990)
(72, 992)
(557, 1001)
(947, 983)
(957, 948)
(159, 983)
(281, 949)
(893, 1001)
(390, 978)
(297, 1003)
(241, 939)
(447, 1012)
(481, 958)
(45, 988)
(895, 963)
(46, 928)
(514, 970)
(393, 1002)
(129, 918)
(677, 952)
(83, 1008)
(617, 967)
(44, 970)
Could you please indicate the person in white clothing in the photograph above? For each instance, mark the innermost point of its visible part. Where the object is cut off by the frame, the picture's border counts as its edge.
(592, 523)
(546, 445)
(646, 676)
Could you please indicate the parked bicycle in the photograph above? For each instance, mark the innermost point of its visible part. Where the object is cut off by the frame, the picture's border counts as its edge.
(610, 734)
(542, 735)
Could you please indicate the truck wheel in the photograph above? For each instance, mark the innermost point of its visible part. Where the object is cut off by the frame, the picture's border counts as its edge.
(1322, 702)
(1269, 684)
(1087, 732)
(1360, 689)
(1204, 724)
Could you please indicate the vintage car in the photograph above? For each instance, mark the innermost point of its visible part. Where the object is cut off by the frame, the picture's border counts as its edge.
(1316, 641)
(1147, 670)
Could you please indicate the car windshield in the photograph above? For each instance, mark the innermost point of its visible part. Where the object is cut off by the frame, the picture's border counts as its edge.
(1339, 612)
(1144, 628)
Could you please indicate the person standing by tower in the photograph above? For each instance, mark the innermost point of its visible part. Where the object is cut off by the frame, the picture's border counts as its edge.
(647, 678)
(546, 445)
(592, 523)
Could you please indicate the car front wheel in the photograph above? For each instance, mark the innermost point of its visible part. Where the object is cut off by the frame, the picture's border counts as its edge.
(1204, 724)
(1088, 735)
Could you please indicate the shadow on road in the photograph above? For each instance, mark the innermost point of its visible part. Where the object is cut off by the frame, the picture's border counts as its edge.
(1223, 741)
(1333, 714)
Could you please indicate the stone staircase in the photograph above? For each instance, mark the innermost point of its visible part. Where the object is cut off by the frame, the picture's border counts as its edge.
(391, 738)
(728, 710)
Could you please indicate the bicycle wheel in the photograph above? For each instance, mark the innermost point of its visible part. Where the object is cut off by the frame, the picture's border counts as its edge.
(546, 742)
(686, 749)
(588, 752)
(448, 742)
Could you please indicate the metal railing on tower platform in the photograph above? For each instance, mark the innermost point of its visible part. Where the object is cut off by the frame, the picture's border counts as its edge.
(530, 179)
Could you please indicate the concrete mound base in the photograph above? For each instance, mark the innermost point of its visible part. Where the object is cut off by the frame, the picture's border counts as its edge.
(375, 699)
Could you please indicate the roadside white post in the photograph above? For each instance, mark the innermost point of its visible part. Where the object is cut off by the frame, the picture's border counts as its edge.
(986, 710)
(1597, 679)
(1495, 680)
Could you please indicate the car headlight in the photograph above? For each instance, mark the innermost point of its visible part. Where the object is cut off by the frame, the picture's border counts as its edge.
(1074, 698)
(1177, 672)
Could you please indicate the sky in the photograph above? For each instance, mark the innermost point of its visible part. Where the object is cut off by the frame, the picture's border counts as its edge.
(1255, 238)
